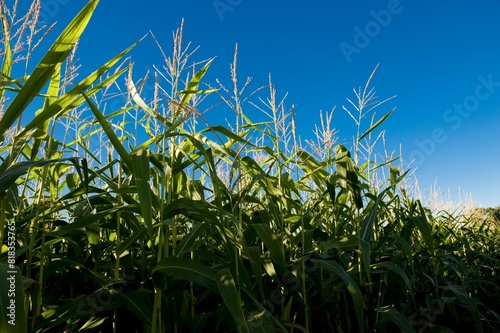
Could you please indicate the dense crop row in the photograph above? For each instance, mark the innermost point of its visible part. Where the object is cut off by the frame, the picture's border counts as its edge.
(138, 219)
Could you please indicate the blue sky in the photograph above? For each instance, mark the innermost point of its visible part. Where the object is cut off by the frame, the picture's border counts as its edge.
(441, 60)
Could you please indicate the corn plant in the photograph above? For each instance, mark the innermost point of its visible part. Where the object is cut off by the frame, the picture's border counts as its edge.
(146, 218)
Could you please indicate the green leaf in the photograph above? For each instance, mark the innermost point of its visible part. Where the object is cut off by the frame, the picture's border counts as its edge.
(425, 229)
(7, 52)
(109, 132)
(405, 246)
(192, 88)
(259, 318)
(253, 253)
(141, 170)
(339, 243)
(365, 248)
(331, 189)
(131, 240)
(348, 175)
(313, 168)
(396, 269)
(397, 318)
(9, 176)
(72, 313)
(93, 233)
(369, 221)
(65, 313)
(187, 242)
(70, 228)
(228, 133)
(308, 240)
(47, 66)
(93, 323)
(198, 210)
(229, 293)
(374, 126)
(283, 277)
(470, 304)
(133, 300)
(271, 242)
(72, 98)
(352, 287)
(54, 88)
(189, 270)
(395, 176)
(260, 322)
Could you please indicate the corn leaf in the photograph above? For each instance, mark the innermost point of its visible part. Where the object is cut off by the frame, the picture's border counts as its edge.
(348, 176)
(396, 269)
(188, 270)
(7, 52)
(9, 176)
(271, 242)
(470, 304)
(397, 318)
(352, 287)
(134, 301)
(47, 66)
(229, 293)
(141, 169)
(377, 124)
(192, 88)
(127, 159)
(425, 229)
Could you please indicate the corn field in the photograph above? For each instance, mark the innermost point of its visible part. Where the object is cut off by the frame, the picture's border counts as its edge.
(146, 218)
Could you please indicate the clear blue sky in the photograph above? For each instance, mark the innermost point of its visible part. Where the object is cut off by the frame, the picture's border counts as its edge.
(441, 59)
